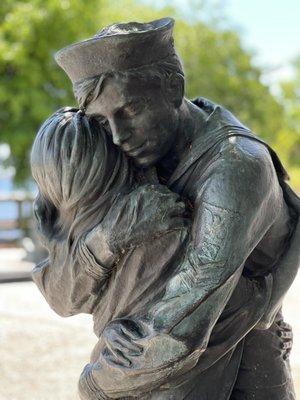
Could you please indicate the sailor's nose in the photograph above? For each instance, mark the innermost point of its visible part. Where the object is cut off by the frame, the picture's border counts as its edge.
(120, 132)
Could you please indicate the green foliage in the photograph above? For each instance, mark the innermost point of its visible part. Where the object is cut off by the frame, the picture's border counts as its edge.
(32, 86)
(219, 68)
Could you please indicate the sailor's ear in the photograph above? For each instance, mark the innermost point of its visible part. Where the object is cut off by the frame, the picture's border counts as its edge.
(174, 87)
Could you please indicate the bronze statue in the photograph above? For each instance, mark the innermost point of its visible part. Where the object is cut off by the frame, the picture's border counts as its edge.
(170, 222)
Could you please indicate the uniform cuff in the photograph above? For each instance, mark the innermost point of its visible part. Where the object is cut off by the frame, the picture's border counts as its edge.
(91, 265)
(88, 389)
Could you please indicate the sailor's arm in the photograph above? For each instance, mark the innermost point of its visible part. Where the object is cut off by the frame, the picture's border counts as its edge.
(234, 209)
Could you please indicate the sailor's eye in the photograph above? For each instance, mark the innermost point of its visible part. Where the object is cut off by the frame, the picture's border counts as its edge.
(134, 108)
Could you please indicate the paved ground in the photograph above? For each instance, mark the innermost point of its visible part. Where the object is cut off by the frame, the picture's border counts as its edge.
(42, 355)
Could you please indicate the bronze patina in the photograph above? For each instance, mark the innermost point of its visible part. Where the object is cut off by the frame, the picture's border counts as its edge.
(170, 222)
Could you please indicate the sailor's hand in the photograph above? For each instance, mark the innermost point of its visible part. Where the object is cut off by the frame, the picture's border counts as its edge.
(120, 338)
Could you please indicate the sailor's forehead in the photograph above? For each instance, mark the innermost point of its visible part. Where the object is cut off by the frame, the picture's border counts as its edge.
(128, 85)
(117, 92)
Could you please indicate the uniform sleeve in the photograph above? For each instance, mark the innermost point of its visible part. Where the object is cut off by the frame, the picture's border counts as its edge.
(235, 206)
(287, 266)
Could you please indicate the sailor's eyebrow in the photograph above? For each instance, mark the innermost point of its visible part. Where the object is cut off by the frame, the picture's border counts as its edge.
(131, 101)
(137, 100)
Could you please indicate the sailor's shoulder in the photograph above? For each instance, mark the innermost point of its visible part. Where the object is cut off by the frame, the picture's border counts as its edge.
(246, 150)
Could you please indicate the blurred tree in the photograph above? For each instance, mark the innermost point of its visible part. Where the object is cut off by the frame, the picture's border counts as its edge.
(32, 86)
(219, 68)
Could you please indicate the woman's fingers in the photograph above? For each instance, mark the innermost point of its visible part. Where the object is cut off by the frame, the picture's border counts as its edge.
(286, 334)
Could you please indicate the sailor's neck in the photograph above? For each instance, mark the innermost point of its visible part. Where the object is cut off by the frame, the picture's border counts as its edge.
(191, 121)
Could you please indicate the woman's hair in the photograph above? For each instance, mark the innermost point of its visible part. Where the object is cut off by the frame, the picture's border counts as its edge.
(77, 168)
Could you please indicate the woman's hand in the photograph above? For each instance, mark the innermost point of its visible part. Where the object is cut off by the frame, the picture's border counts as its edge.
(146, 212)
(138, 217)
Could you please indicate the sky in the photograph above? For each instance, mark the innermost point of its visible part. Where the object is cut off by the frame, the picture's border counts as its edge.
(272, 28)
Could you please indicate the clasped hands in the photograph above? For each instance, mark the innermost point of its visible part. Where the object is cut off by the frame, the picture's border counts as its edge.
(121, 339)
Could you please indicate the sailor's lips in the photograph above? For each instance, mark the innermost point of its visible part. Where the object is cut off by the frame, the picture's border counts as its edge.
(134, 151)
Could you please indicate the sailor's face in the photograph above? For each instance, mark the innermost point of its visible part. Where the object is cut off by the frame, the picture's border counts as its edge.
(142, 120)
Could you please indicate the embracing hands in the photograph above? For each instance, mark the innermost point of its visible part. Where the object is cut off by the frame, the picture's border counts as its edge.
(131, 359)
(121, 338)
(138, 217)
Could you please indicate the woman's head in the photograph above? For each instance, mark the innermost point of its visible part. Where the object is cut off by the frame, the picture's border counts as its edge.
(77, 167)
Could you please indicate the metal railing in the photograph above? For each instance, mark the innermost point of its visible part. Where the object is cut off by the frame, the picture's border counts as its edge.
(15, 224)
(22, 215)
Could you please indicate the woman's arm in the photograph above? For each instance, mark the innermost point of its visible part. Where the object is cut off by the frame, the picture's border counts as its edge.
(71, 281)
(71, 278)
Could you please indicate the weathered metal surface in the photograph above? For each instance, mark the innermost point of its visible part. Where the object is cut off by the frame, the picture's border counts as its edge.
(170, 222)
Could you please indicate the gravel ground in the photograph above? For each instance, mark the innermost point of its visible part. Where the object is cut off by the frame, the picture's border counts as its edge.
(42, 355)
